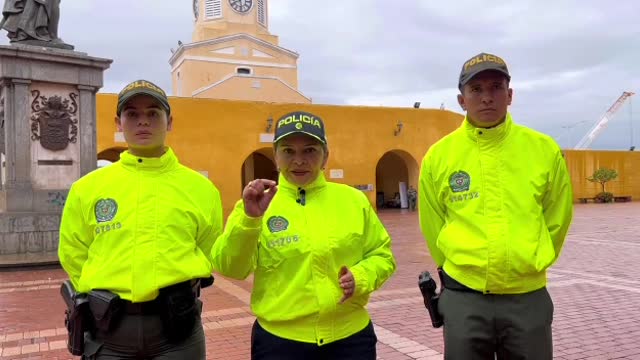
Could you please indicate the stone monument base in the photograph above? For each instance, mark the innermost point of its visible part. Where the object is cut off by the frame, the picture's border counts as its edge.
(17, 261)
(48, 98)
(29, 238)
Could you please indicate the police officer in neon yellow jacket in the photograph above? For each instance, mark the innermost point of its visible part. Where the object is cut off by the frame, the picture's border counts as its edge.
(142, 228)
(317, 250)
(495, 206)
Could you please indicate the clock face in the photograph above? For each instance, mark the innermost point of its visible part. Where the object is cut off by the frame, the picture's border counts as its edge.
(196, 8)
(241, 6)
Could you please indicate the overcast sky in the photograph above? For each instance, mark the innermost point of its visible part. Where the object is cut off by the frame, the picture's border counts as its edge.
(570, 60)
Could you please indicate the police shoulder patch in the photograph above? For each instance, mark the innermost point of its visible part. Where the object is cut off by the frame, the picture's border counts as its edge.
(106, 210)
(460, 181)
(277, 224)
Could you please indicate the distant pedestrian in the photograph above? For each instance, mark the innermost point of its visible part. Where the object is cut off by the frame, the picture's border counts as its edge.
(412, 194)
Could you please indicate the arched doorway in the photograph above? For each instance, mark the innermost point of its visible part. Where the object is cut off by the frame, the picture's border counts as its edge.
(395, 172)
(259, 165)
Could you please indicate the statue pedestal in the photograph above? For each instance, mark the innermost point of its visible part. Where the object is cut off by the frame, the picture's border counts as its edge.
(40, 43)
(48, 110)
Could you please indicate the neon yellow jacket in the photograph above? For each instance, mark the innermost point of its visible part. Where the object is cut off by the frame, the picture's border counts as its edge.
(139, 225)
(297, 251)
(495, 206)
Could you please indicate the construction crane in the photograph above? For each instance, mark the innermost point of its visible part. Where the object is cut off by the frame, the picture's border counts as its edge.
(586, 141)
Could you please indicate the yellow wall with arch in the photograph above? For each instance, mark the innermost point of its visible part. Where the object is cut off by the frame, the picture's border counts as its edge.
(396, 166)
(220, 137)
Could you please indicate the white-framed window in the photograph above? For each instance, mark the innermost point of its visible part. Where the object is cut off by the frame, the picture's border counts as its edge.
(212, 9)
(262, 13)
(243, 70)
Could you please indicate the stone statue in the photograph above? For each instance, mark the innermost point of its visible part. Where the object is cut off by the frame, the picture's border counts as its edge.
(33, 22)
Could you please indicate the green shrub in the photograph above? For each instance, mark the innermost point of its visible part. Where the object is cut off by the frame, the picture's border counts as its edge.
(604, 197)
(602, 176)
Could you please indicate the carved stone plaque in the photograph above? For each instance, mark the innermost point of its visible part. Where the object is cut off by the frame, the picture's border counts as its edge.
(53, 120)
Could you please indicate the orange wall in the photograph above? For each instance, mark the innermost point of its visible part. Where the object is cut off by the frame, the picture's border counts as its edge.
(217, 136)
(582, 164)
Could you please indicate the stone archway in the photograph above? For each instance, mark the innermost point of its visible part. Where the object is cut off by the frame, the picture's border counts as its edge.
(260, 164)
(395, 172)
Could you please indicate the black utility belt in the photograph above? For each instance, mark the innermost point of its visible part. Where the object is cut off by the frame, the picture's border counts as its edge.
(153, 307)
(107, 306)
(452, 284)
(100, 310)
(185, 290)
(177, 305)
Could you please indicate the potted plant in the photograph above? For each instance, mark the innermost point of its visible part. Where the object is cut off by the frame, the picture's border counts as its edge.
(602, 176)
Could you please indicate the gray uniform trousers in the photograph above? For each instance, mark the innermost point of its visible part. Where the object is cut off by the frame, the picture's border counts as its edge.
(510, 327)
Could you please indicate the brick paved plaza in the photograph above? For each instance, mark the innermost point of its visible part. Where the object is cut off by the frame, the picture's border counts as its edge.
(595, 286)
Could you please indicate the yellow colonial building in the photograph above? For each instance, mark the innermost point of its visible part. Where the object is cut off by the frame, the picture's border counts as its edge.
(233, 56)
(374, 148)
(234, 81)
(377, 149)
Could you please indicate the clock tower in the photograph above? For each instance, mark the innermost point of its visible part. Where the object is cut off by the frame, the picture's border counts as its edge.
(234, 56)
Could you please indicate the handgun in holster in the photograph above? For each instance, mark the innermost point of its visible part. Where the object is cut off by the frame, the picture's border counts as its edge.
(77, 317)
(106, 309)
(200, 284)
(180, 309)
(428, 289)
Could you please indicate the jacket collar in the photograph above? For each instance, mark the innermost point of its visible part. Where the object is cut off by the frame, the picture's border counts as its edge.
(164, 162)
(318, 183)
(496, 133)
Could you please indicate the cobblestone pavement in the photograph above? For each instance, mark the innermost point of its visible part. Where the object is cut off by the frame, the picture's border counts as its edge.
(594, 285)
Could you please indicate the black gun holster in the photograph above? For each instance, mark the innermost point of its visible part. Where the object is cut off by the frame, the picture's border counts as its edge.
(430, 297)
(77, 318)
(180, 310)
(177, 305)
(106, 308)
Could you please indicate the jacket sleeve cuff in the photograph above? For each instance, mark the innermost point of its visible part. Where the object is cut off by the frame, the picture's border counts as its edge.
(249, 222)
(360, 277)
